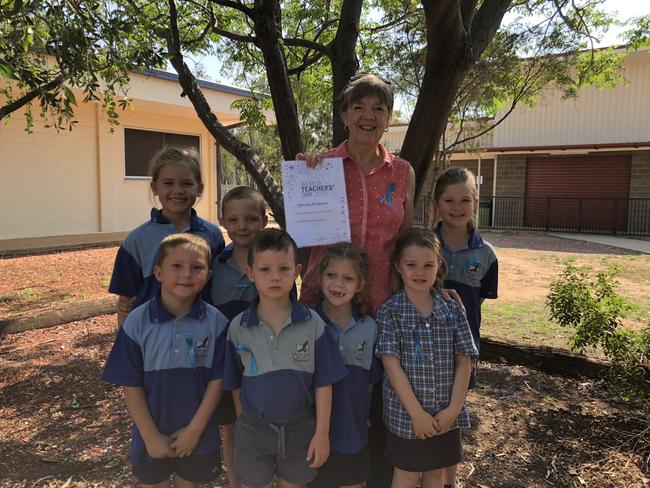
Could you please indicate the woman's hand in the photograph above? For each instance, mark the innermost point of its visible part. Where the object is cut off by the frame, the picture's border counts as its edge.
(312, 159)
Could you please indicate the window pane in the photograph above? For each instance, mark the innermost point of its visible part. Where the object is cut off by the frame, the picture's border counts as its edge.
(141, 145)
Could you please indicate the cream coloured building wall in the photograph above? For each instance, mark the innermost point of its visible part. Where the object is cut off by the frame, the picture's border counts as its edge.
(49, 178)
(70, 186)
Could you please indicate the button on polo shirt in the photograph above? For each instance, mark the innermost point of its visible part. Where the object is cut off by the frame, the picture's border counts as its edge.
(277, 374)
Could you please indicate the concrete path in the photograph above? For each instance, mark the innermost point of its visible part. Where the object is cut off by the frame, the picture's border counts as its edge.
(609, 240)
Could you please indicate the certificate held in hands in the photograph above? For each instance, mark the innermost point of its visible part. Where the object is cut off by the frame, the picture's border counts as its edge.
(315, 202)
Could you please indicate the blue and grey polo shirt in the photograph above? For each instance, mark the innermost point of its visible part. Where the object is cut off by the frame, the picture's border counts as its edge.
(133, 270)
(173, 359)
(231, 291)
(278, 374)
(351, 396)
(474, 273)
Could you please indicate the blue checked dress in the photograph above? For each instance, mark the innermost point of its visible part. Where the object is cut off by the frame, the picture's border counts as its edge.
(426, 347)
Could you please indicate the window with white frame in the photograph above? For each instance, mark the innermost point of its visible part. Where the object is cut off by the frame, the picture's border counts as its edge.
(141, 145)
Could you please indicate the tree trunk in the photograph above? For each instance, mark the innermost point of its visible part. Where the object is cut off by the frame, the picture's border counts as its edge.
(344, 61)
(243, 152)
(447, 62)
(268, 29)
(457, 35)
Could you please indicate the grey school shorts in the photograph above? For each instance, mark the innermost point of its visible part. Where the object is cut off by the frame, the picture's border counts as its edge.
(264, 448)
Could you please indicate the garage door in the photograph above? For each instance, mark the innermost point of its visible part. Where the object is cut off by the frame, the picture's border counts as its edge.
(578, 193)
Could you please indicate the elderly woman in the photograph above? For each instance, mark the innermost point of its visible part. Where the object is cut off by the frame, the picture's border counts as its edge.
(379, 185)
(380, 189)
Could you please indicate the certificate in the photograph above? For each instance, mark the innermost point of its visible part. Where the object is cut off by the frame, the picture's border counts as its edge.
(315, 202)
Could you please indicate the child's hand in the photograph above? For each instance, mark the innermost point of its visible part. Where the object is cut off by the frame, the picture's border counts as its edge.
(449, 293)
(424, 425)
(312, 159)
(445, 418)
(159, 446)
(319, 450)
(184, 441)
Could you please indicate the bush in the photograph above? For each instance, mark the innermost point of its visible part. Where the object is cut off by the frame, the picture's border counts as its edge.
(594, 309)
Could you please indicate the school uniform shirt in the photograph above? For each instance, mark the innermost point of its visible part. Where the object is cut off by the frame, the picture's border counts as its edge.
(278, 374)
(231, 290)
(426, 348)
(133, 270)
(173, 359)
(351, 396)
(376, 208)
(474, 273)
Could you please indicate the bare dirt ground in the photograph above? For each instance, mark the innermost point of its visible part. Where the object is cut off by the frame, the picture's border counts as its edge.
(61, 427)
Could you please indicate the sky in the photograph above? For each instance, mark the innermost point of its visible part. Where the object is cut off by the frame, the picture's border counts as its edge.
(622, 9)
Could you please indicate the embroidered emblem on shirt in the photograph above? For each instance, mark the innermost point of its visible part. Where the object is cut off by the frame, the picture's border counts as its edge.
(302, 352)
(202, 347)
(472, 269)
(361, 350)
(387, 198)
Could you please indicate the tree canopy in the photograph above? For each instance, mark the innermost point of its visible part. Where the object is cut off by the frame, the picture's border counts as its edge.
(48, 47)
(450, 61)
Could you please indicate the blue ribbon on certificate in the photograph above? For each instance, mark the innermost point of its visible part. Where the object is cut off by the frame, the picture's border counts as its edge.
(388, 196)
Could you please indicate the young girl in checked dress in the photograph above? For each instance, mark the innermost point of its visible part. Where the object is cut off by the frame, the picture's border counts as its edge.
(425, 344)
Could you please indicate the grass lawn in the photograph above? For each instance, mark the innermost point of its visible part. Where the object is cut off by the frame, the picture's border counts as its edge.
(527, 265)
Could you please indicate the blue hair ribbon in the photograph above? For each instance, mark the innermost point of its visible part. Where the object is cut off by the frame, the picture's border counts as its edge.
(388, 196)
(253, 363)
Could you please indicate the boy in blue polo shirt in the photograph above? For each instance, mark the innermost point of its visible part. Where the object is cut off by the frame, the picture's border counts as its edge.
(280, 363)
(168, 357)
(244, 216)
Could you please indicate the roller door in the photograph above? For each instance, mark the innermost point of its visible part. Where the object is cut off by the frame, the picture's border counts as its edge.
(578, 193)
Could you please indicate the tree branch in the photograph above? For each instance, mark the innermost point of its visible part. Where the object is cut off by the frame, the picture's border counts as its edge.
(485, 24)
(28, 97)
(307, 62)
(243, 152)
(306, 43)
(250, 12)
(234, 37)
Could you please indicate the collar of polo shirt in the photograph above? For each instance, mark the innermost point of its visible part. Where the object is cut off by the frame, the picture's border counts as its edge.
(158, 313)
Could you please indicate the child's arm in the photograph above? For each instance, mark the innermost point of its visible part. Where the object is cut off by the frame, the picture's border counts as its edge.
(462, 370)
(158, 445)
(236, 398)
(186, 438)
(424, 424)
(319, 447)
(124, 306)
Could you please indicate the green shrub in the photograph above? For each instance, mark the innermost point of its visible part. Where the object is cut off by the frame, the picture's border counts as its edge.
(594, 310)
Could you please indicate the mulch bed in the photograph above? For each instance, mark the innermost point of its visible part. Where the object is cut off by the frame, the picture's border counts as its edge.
(62, 427)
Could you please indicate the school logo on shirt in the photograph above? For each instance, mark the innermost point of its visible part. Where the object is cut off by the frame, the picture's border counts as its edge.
(473, 269)
(361, 350)
(302, 352)
(202, 347)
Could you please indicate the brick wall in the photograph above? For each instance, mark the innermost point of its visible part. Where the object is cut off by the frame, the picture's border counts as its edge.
(511, 182)
(638, 215)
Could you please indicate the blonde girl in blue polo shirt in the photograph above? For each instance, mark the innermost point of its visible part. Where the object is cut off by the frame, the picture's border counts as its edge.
(176, 182)
(426, 348)
(343, 275)
(473, 268)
